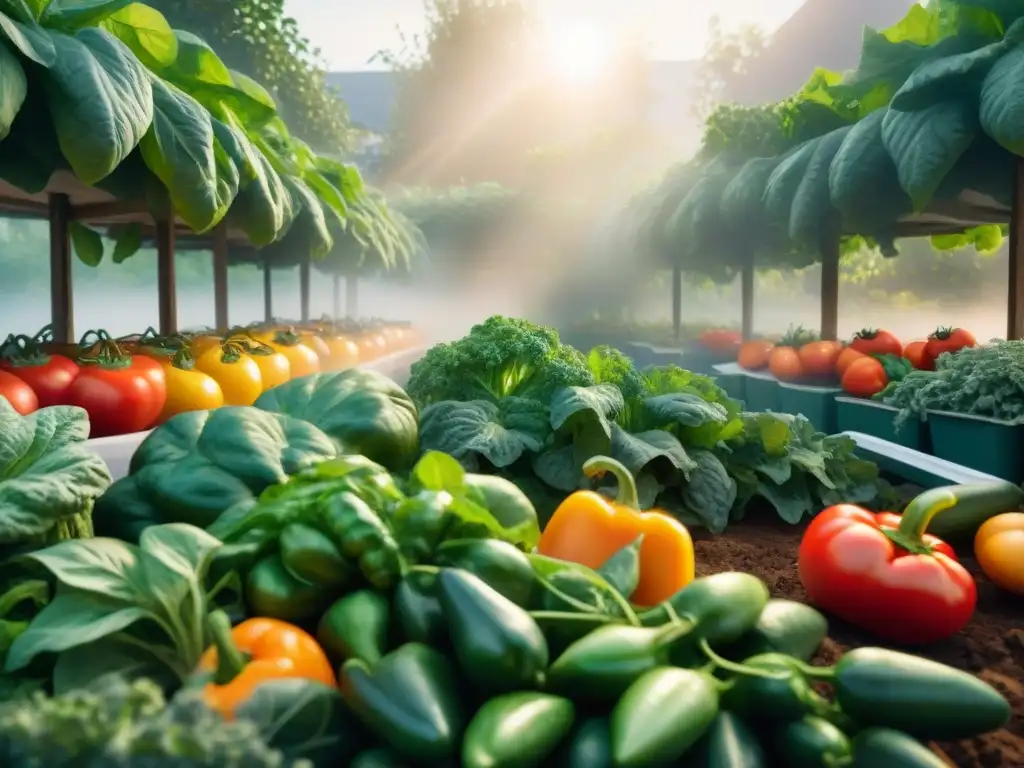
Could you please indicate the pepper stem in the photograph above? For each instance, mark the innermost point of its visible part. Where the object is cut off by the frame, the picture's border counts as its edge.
(738, 669)
(230, 660)
(917, 516)
(627, 493)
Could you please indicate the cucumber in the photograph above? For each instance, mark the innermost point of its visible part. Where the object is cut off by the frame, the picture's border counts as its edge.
(976, 503)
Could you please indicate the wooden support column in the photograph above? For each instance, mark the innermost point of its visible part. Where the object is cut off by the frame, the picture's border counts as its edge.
(220, 276)
(1015, 291)
(352, 297)
(747, 299)
(830, 289)
(336, 307)
(268, 292)
(677, 299)
(304, 280)
(62, 309)
(167, 300)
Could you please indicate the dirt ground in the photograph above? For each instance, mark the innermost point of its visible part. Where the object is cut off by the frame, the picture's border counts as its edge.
(991, 646)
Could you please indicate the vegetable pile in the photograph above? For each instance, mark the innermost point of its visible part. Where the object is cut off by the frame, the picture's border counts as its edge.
(133, 383)
(510, 399)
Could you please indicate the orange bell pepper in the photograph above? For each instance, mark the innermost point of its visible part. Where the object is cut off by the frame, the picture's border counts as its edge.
(253, 652)
(587, 528)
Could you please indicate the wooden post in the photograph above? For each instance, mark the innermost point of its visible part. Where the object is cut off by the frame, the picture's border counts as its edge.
(336, 309)
(220, 276)
(167, 299)
(677, 299)
(747, 299)
(352, 297)
(62, 310)
(268, 292)
(304, 280)
(1015, 290)
(830, 289)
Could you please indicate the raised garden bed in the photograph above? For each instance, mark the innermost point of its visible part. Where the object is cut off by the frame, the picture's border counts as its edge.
(762, 391)
(991, 646)
(854, 414)
(816, 404)
(732, 379)
(988, 445)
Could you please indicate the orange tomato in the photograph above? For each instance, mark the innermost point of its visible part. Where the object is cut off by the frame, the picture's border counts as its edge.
(818, 358)
(784, 364)
(754, 355)
(999, 547)
(275, 369)
(302, 360)
(864, 378)
(846, 358)
(318, 345)
(916, 353)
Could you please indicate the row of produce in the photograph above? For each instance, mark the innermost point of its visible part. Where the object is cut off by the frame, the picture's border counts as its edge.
(133, 383)
(301, 582)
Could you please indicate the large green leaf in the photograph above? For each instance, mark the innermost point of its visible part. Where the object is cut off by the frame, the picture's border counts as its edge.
(25, 11)
(79, 14)
(179, 150)
(926, 144)
(1002, 101)
(101, 101)
(87, 244)
(742, 197)
(477, 428)
(146, 32)
(308, 233)
(812, 215)
(785, 180)
(264, 208)
(31, 40)
(13, 89)
(954, 77)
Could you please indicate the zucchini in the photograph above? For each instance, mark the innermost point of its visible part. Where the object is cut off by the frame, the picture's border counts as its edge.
(975, 503)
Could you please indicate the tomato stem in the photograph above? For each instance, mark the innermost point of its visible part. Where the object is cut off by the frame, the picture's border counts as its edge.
(627, 493)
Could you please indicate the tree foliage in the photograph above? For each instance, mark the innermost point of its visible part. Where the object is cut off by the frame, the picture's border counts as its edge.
(255, 37)
(728, 57)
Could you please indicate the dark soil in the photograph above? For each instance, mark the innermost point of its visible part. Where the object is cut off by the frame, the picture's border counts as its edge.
(991, 646)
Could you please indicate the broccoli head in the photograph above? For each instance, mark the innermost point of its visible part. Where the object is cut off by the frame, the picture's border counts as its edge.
(498, 358)
(610, 366)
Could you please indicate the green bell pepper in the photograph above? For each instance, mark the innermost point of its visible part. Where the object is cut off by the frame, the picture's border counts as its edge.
(418, 607)
(662, 715)
(498, 563)
(356, 627)
(410, 700)
(728, 743)
(813, 743)
(497, 644)
(588, 746)
(928, 700)
(420, 523)
(310, 556)
(606, 662)
(886, 748)
(362, 537)
(272, 592)
(506, 501)
(516, 730)
(774, 699)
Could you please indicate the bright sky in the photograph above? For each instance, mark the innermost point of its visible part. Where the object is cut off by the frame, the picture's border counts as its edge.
(349, 32)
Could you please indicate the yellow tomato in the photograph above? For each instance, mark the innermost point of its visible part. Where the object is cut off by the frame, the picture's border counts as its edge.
(237, 373)
(344, 353)
(199, 344)
(189, 391)
(999, 547)
(370, 346)
(274, 369)
(319, 347)
(302, 359)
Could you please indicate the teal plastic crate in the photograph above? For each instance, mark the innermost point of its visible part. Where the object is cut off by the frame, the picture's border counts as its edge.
(914, 466)
(731, 378)
(877, 419)
(987, 445)
(761, 390)
(816, 404)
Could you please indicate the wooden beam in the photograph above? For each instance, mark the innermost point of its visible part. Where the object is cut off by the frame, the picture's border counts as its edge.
(677, 299)
(16, 204)
(62, 309)
(830, 289)
(109, 209)
(352, 297)
(167, 300)
(220, 276)
(304, 281)
(336, 307)
(268, 292)
(1015, 290)
(747, 299)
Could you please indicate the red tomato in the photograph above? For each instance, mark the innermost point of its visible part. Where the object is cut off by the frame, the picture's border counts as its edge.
(18, 393)
(119, 400)
(864, 378)
(753, 355)
(947, 340)
(50, 376)
(916, 353)
(818, 358)
(153, 369)
(872, 342)
(846, 358)
(784, 363)
(720, 340)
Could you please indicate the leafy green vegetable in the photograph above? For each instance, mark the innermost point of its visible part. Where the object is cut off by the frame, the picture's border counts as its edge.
(48, 478)
(365, 411)
(499, 358)
(200, 463)
(119, 723)
(480, 429)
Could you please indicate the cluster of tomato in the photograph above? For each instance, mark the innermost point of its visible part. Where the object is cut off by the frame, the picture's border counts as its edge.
(133, 383)
(863, 367)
